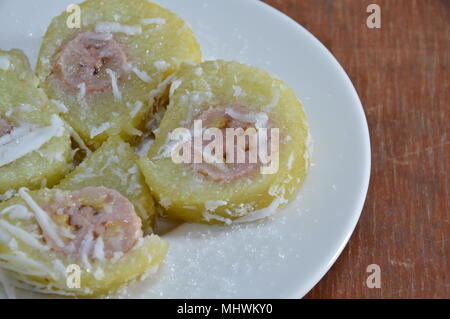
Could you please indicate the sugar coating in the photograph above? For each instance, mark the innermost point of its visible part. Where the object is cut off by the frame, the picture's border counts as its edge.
(213, 261)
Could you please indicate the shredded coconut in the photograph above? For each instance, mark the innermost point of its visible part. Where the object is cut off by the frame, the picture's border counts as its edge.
(153, 21)
(115, 27)
(27, 108)
(60, 105)
(260, 119)
(198, 71)
(17, 212)
(262, 213)
(7, 285)
(82, 94)
(208, 217)
(161, 65)
(13, 245)
(4, 63)
(21, 263)
(212, 205)
(46, 223)
(175, 85)
(144, 147)
(290, 161)
(183, 28)
(99, 249)
(95, 131)
(16, 133)
(79, 141)
(137, 107)
(161, 87)
(165, 202)
(23, 235)
(238, 91)
(101, 36)
(17, 146)
(115, 87)
(168, 149)
(7, 195)
(116, 256)
(85, 247)
(274, 102)
(142, 75)
(99, 273)
(59, 267)
(35, 287)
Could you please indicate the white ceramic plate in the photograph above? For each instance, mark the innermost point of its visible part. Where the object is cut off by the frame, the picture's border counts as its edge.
(283, 257)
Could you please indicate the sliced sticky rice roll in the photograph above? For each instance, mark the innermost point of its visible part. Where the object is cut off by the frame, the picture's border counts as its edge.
(86, 242)
(35, 144)
(104, 71)
(217, 187)
(114, 165)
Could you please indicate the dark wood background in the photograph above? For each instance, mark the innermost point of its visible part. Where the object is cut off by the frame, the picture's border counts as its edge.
(401, 72)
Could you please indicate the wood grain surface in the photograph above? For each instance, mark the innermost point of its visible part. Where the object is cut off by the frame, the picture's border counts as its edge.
(401, 72)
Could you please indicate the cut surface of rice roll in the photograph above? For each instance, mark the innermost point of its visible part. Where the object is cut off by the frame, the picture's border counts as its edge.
(35, 144)
(219, 189)
(104, 71)
(114, 165)
(82, 243)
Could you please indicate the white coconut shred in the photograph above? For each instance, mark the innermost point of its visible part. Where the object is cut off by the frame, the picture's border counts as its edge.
(153, 21)
(7, 285)
(4, 63)
(116, 92)
(45, 222)
(115, 27)
(18, 144)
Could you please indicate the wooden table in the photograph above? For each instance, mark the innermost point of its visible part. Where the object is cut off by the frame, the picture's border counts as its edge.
(401, 72)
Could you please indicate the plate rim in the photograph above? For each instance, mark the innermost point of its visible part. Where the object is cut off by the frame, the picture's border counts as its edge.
(360, 199)
(307, 284)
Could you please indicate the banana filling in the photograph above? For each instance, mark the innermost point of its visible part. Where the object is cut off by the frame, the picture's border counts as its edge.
(246, 141)
(89, 59)
(94, 222)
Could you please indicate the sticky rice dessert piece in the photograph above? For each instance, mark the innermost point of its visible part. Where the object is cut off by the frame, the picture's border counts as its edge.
(83, 243)
(114, 165)
(105, 71)
(227, 95)
(35, 144)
